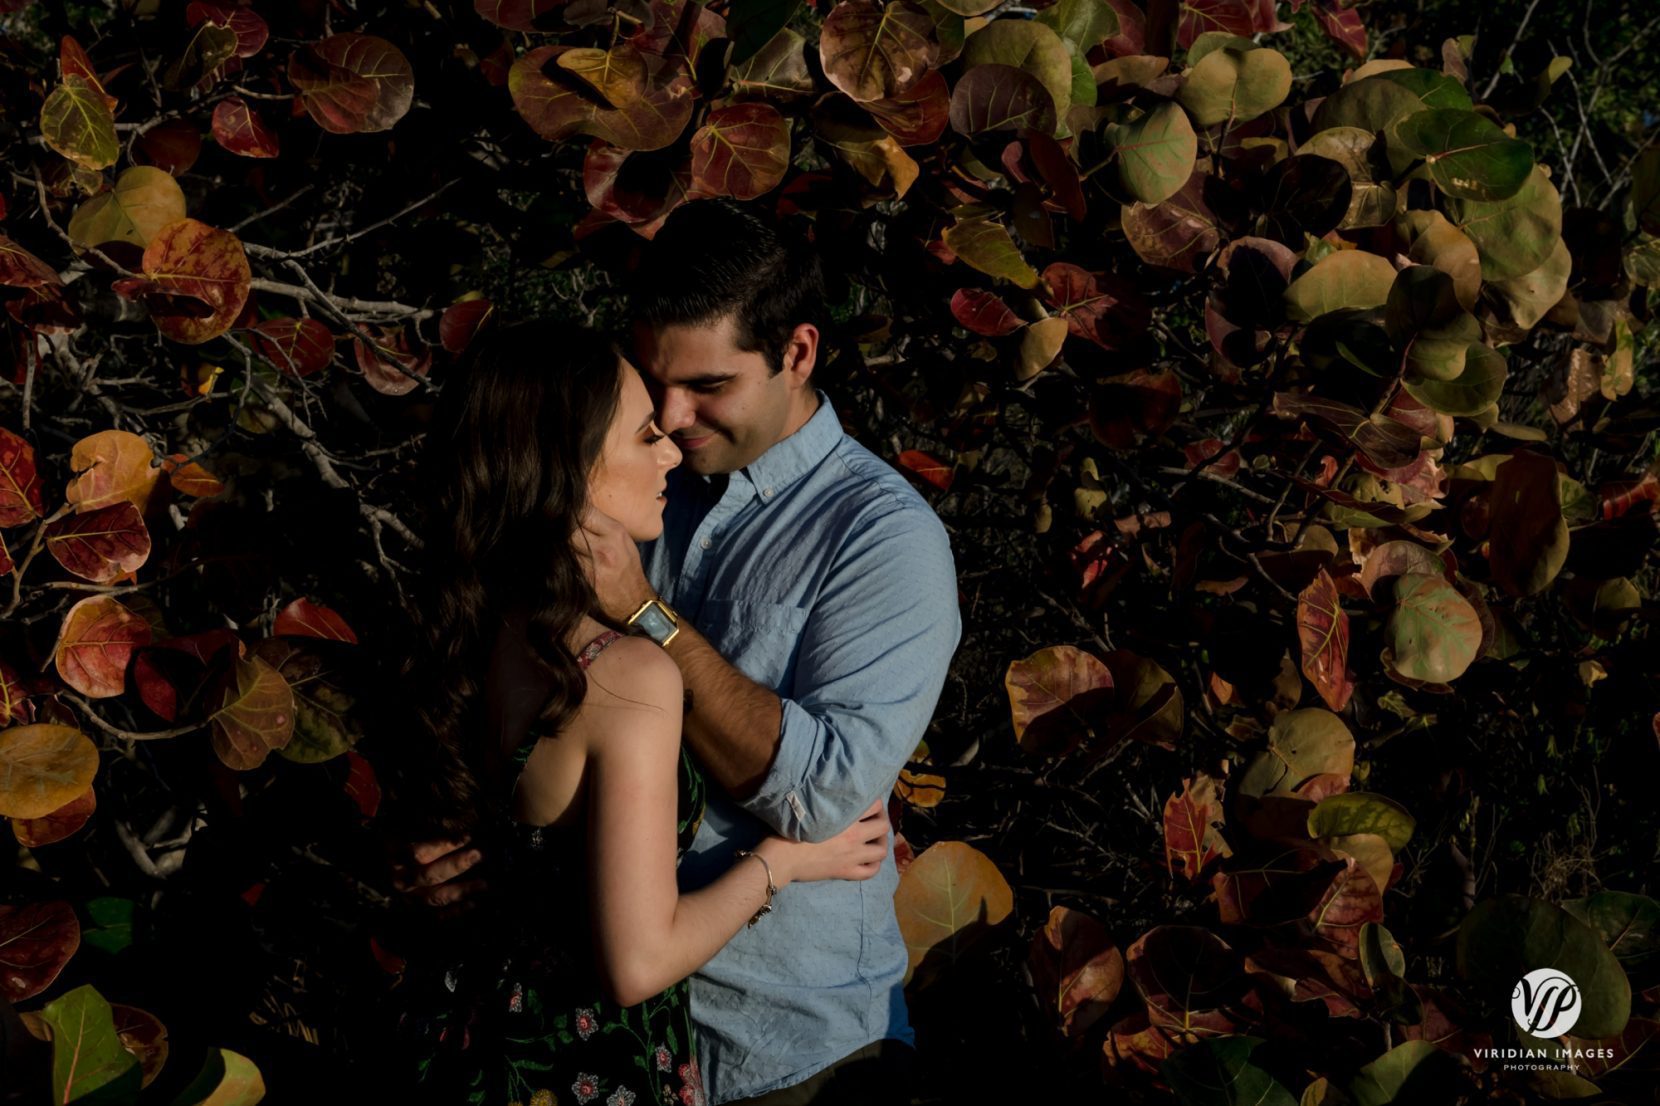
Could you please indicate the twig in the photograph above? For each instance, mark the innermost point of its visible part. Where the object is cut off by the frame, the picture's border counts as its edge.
(1498, 70)
(129, 735)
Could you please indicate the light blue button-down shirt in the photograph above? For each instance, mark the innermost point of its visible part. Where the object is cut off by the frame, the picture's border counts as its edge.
(821, 574)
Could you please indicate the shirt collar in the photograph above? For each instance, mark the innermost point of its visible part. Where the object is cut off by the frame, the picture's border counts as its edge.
(797, 455)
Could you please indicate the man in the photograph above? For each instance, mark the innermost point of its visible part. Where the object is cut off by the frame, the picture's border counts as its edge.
(808, 595)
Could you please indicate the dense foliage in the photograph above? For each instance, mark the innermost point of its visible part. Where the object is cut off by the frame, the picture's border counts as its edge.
(1291, 422)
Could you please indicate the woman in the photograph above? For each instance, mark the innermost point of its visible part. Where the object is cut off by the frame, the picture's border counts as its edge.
(554, 741)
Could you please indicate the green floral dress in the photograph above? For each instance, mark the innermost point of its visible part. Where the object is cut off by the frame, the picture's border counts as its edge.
(526, 1022)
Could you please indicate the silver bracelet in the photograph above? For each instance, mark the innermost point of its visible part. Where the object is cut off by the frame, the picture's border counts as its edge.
(772, 888)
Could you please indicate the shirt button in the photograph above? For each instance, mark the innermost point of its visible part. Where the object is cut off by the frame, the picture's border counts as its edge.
(705, 543)
(766, 493)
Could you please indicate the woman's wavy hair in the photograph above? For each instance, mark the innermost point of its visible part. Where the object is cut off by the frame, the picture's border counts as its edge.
(505, 473)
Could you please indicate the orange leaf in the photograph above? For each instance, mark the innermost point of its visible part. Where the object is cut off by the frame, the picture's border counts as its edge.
(61, 823)
(111, 466)
(1191, 839)
(102, 545)
(948, 899)
(44, 767)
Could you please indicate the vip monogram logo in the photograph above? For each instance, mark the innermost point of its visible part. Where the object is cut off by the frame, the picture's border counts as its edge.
(1546, 1003)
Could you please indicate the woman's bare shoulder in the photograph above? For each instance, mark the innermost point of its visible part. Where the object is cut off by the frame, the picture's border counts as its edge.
(635, 672)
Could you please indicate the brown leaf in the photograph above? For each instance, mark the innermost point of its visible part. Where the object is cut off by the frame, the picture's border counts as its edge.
(1076, 969)
(255, 716)
(742, 150)
(876, 51)
(21, 499)
(353, 83)
(1056, 696)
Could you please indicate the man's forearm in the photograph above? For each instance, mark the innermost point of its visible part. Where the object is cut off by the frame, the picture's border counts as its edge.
(733, 722)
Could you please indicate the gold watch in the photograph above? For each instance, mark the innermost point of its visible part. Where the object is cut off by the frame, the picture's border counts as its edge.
(656, 620)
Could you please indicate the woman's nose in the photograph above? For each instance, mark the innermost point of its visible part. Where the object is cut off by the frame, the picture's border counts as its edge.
(671, 456)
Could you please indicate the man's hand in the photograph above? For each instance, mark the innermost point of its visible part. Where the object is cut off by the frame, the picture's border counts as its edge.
(432, 873)
(613, 562)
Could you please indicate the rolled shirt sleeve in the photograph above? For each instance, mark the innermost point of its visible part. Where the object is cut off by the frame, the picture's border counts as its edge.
(870, 668)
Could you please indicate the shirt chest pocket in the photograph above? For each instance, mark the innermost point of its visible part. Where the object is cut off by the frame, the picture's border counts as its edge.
(760, 639)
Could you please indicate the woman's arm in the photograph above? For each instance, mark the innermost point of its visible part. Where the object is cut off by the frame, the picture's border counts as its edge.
(648, 935)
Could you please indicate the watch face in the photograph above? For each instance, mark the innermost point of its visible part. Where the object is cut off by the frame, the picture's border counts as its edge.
(654, 623)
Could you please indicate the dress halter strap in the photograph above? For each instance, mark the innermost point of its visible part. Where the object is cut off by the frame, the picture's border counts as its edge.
(596, 647)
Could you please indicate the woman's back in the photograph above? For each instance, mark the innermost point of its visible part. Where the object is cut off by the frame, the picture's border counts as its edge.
(537, 1017)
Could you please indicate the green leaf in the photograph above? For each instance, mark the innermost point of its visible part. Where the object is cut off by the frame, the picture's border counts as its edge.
(1434, 90)
(1027, 45)
(986, 246)
(1362, 812)
(1235, 86)
(87, 1055)
(1155, 154)
(1415, 1073)
(112, 924)
(144, 200)
(752, 23)
(1371, 104)
(1531, 296)
(78, 123)
(1466, 153)
(1433, 632)
(1473, 390)
(227, 1079)
(1347, 278)
(1504, 938)
(1081, 24)
(1218, 1072)
(1301, 744)
(1514, 235)
(1628, 924)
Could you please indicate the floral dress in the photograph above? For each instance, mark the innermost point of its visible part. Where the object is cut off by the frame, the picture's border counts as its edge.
(527, 1023)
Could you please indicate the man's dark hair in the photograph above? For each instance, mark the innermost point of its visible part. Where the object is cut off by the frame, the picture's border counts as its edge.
(714, 258)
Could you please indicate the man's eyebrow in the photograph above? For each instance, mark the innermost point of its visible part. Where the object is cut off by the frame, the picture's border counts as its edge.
(707, 378)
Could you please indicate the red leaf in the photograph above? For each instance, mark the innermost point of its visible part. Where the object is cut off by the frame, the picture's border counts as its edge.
(172, 146)
(361, 785)
(353, 83)
(250, 30)
(21, 269)
(1323, 629)
(1617, 498)
(21, 500)
(460, 323)
(303, 618)
(1191, 840)
(1342, 26)
(198, 281)
(62, 823)
(299, 347)
(918, 115)
(391, 367)
(984, 312)
(239, 130)
(1234, 17)
(937, 473)
(1103, 308)
(97, 642)
(36, 941)
(102, 545)
(1076, 969)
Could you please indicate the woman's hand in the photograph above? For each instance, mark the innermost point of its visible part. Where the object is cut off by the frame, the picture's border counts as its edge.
(856, 852)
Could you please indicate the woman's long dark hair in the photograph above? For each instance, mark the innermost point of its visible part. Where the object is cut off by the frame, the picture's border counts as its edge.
(506, 468)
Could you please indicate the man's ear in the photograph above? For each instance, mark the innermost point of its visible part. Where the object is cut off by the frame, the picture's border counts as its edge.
(801, 353)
